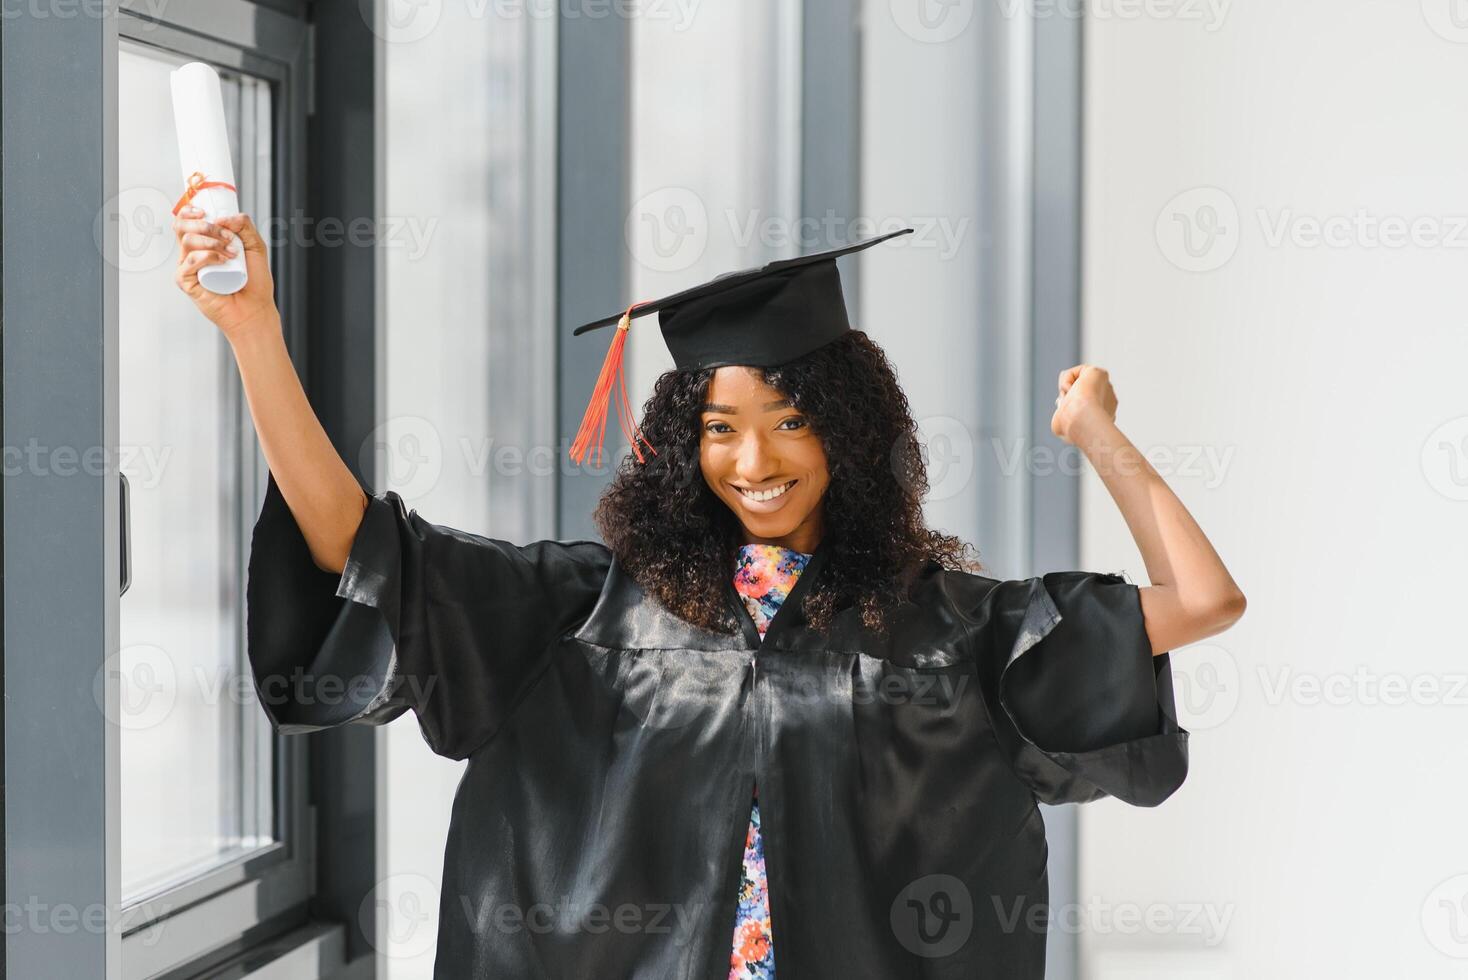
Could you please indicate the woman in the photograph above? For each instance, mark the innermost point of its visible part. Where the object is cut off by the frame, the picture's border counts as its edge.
(772, 702)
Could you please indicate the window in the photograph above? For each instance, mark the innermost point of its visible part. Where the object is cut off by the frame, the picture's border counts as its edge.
(196, 754)
(216, 848)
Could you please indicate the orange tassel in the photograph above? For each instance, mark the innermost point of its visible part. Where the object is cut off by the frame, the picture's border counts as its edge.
(594, 422)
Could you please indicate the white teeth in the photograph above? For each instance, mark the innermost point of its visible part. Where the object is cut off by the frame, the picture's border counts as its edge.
(765, 494)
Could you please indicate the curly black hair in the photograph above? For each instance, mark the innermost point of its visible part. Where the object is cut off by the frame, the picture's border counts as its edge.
(679, 541)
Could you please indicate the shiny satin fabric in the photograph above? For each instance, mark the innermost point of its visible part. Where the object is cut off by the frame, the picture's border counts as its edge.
(612, 749)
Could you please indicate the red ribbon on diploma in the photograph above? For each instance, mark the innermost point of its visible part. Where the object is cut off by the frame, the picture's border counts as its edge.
(197, 182)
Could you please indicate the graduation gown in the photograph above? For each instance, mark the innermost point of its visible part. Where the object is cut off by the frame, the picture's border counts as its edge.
(612, 749)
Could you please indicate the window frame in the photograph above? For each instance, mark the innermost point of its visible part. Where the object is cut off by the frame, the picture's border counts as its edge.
(63, 520)
(225, 910)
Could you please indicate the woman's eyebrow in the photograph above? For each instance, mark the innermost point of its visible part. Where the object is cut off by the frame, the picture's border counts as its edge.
(731, 410)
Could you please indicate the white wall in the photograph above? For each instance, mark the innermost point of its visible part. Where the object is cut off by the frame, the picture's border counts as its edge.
(1319, 377)
(437, 154)
(920, 293)
(713, 178)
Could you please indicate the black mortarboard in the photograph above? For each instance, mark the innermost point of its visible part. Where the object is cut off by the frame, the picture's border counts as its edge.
(758, 317)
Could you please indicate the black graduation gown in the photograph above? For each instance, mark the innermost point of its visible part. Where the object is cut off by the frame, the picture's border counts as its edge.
(612, 748)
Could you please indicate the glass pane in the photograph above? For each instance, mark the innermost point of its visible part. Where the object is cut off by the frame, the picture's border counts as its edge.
(196, 761)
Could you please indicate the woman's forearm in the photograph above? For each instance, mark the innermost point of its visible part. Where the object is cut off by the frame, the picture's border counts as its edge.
(322, 494)
(1192, 595)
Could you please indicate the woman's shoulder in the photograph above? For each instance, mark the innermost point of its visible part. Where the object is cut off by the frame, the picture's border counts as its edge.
(389, 516)
(591, 559)
(583, 550)
(935, 583)
(938, 580)
(1036, 603)
(561, 568)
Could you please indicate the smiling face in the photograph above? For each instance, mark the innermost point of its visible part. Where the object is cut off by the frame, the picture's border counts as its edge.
(763, 460)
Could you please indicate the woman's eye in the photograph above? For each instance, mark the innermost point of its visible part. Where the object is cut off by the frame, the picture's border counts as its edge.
(790, 424)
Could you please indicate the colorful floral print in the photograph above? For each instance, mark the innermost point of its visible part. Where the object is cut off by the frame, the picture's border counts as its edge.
(754, 952)
(764, 575)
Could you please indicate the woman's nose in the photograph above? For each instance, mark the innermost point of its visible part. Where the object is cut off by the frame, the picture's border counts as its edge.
(756, 463)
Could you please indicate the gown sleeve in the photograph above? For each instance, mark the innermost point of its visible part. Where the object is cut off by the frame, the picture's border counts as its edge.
(452, 625)
(1085, 709)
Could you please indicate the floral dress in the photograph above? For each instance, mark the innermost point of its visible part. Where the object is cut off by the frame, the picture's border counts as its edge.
(764, 574)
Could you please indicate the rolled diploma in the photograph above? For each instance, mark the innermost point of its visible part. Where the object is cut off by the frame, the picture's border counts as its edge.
(203, 145)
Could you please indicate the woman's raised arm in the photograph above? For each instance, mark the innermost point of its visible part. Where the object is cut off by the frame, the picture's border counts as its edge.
(323, 495)
(1192, 595)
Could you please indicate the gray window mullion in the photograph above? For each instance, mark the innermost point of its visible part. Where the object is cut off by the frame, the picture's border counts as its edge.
(61, 526)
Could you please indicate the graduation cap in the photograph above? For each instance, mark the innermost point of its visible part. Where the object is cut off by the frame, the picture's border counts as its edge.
(759, 317)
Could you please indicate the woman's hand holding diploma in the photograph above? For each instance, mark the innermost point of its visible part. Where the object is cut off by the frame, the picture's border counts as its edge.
(1192, 595)
(322, 494)
(201, 243)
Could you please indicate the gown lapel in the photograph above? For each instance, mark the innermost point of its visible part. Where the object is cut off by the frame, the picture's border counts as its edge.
(788, 616)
